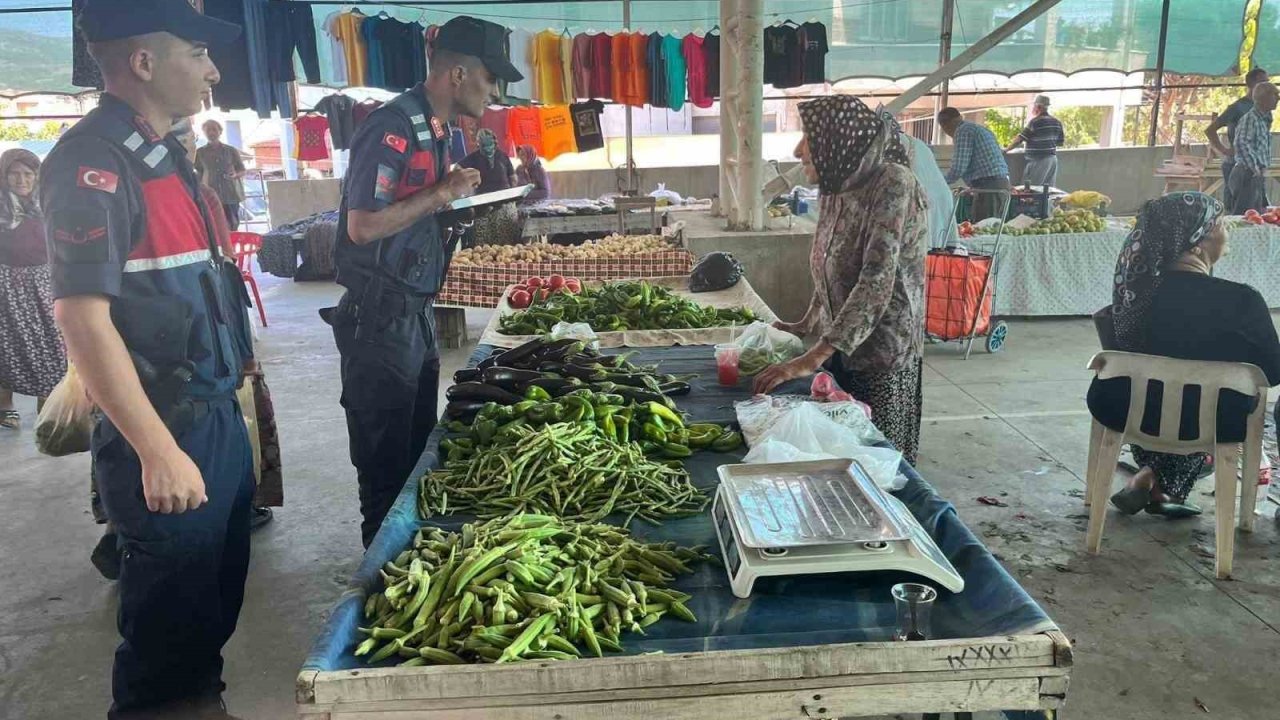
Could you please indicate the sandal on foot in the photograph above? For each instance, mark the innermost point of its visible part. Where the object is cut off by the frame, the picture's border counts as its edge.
(260, 516)
(10, 419)
(1131, 501)
(1173, 510)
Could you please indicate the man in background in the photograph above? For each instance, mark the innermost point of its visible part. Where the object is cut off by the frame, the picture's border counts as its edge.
(1042, 136)
(978, 161)
(1229, 118)
(222, 169)
(1252, 152)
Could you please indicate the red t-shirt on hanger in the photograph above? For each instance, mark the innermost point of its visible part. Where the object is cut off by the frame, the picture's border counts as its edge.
(311, 131)
(695, 59)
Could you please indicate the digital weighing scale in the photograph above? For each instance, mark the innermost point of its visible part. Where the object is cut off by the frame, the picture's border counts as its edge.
(825, 516)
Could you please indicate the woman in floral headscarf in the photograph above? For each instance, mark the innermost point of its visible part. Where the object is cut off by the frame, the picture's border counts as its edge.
(867, 264)
(32, 357)
(1165, 302)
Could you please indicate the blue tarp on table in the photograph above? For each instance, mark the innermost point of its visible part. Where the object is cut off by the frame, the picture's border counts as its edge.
(781, 612)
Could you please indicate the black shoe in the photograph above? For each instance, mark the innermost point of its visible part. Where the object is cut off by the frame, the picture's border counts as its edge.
(259, 516)
(106, 557)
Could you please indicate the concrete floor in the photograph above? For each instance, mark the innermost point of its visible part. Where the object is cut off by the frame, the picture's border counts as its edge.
(1010, 425)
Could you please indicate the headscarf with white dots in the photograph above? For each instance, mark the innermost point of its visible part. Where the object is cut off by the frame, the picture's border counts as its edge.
(847, 139)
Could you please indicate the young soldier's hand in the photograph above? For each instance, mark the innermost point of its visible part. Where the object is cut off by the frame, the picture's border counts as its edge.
(171, 482)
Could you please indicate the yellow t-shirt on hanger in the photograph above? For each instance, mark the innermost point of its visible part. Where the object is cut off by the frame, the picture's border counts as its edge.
(347, 27)
(548, 68)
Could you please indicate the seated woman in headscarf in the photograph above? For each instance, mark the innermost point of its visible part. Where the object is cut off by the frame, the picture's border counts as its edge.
(32, 356)
(531, 172)
(500, 225)
(867, 264)
(1165, 302)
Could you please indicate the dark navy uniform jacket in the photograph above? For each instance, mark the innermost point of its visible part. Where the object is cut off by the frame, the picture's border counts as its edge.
(399, 150)
(125, 220)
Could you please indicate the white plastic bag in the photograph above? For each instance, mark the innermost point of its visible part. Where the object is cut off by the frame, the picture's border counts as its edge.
(670, 196)
(806, 433)
(576, 331)
(757, 415)
(762, 345)
(65, 423)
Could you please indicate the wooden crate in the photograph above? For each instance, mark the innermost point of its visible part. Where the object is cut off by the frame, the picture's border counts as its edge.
(1020, 672)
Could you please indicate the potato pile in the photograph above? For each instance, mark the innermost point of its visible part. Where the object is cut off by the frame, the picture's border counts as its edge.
(610, 247)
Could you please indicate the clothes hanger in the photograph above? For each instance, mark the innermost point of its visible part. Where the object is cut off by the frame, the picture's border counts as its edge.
(791, 23)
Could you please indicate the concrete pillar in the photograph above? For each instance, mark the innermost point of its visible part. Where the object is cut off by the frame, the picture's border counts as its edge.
(742, 113)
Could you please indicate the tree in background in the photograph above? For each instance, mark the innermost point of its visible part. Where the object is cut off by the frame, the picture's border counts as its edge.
(1004, 123)
(22, 131)
(1082, 126)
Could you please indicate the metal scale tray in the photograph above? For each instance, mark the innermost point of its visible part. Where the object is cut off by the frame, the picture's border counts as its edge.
(818, 517)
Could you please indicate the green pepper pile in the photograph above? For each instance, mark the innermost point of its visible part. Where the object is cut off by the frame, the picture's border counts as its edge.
(621, 306)
(526, 587)
(569, 470)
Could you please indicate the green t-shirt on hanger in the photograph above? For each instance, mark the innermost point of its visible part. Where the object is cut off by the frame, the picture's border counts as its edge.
(673, 59)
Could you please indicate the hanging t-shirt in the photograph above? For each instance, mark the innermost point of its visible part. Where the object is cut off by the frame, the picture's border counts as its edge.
(673, 62)
(311, 130)
(376, 75)
(657, 71)
(347, 30)
(522, 58)
(557, 131)
(620, 59)
(524, 126)
(337, 55)
(813, 49)
(781, 56)
(695, 58)
(548, 69)
(601, 66)
(586, 125)
(495, 119)
(638, 75)
(342, 123)
(364, 109)
(582, 65)
(566, 67)
(711, 48)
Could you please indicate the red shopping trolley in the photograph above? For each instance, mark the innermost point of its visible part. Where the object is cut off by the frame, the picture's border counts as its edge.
(960, 286)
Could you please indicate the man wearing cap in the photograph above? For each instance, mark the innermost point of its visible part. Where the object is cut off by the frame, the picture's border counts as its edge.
(158, 331)
(1043, 136)
(395, 240)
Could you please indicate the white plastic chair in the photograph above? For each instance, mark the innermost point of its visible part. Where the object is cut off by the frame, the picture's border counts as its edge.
(1212, 378)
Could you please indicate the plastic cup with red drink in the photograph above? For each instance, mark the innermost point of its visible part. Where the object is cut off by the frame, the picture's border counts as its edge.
(727, 364)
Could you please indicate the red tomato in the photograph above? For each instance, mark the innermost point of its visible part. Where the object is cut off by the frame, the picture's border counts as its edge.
(1254, 219)
(534, 282)
(1270, 217)
(519, 299)
(823, 385)
(573, 285)
(1251, 213)
(555, 282)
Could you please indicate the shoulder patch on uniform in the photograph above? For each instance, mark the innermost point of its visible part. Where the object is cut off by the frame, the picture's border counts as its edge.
(145, 128)
(95, 179)
(79, 235)
(395, 142)
(437, 128)
(385, 189)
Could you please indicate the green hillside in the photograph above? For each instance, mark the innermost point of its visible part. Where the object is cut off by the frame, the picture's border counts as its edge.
(34, 62)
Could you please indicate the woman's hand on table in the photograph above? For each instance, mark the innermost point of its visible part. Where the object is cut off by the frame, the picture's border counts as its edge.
(803, 366)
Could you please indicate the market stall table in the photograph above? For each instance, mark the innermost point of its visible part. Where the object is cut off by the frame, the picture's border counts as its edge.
(1071, 274)
(556, 217)
(814, 646)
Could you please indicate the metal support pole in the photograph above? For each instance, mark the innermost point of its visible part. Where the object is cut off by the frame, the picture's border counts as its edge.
(742, 113)
(944, 54)
(974, 51)
(631, 163)
(1155, 108)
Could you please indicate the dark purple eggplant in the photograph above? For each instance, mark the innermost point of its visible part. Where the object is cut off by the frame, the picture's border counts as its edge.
(585, 373)
(466, 375)
(557, 368)
(481, 392)
(554, 385)
(517, 356)
(463, 410)
(675, 388)
(510, 379)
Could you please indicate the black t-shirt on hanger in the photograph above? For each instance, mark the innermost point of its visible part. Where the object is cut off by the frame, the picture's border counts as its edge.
(342, 123)
(711, 46)
(813, 51)
(586, 125)
(781, 56)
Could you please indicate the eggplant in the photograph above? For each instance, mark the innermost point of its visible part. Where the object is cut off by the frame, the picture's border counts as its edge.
(485, 364)
(637, 395)
(554, 385)
(635, 381)
(516, 356)
(463, 410)
(481, 393)
(466, 375)
(557, 368)
(584, 372)
(510, 379)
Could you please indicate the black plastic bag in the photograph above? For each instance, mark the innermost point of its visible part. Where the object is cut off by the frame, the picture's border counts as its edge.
(715, 271)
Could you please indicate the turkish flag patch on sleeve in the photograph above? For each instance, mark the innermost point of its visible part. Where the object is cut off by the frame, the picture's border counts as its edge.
(95, 179)
(395, 142)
